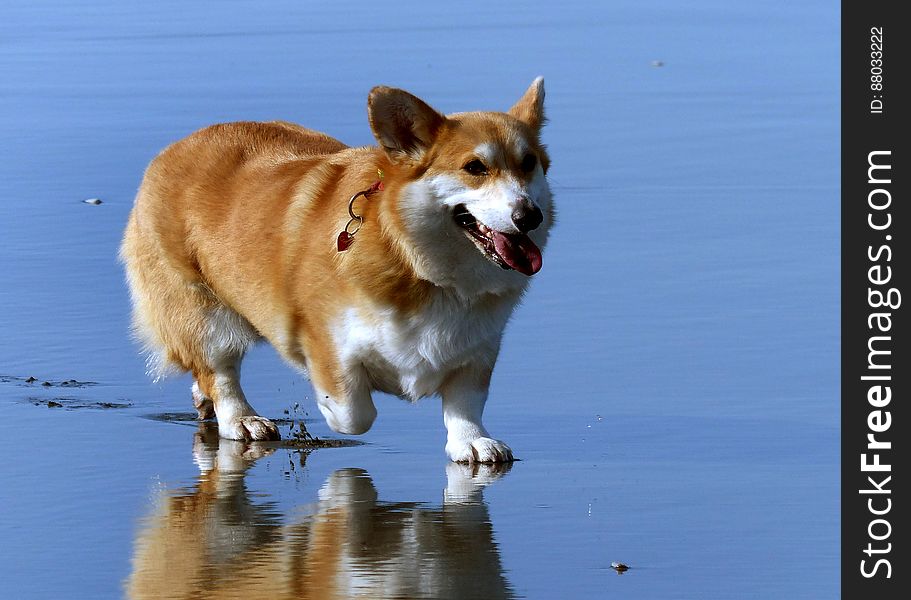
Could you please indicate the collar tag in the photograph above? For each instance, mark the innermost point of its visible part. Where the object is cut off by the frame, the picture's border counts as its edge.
(346, 236)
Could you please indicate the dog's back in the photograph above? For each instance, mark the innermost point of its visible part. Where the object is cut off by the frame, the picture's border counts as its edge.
(183, 203)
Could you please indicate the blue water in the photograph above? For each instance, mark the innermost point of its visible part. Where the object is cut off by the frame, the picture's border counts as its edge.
(671, 381)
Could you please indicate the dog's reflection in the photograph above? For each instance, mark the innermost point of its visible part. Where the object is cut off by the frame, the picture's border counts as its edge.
(215, 541)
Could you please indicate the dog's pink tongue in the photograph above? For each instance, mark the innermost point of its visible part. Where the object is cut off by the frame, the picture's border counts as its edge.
(518, 251)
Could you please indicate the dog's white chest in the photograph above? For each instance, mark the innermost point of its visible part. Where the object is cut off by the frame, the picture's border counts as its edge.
(410, 356)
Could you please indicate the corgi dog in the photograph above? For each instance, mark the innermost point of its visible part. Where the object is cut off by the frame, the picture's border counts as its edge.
(391, 268)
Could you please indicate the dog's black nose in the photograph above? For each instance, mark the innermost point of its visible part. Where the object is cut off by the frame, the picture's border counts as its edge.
(526, 216)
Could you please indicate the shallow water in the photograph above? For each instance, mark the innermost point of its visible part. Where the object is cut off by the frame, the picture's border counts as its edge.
(670, 382)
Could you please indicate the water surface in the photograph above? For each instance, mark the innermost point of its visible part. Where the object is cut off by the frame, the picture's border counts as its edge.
(670, 382)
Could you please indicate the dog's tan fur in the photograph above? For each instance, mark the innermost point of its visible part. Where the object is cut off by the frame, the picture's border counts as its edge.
(232, 239)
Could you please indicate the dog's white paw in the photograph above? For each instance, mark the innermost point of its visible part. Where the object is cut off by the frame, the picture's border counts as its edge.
(250, 428)
(479, 450)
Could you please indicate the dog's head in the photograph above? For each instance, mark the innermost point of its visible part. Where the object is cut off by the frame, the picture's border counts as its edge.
(475, 205)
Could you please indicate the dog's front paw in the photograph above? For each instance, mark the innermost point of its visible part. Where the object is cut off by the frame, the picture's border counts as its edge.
(479, 450)
(250, 428)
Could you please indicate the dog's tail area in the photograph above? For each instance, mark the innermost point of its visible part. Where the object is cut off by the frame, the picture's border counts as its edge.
(142, 271)
(172, 307)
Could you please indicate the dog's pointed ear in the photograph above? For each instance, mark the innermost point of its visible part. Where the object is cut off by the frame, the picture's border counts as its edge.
(403, 124)
(530, 107)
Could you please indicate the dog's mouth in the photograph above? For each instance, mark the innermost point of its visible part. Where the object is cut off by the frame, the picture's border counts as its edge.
(508, 250)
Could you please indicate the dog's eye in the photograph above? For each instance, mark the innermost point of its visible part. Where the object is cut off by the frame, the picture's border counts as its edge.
(476, 167)
(529, 162)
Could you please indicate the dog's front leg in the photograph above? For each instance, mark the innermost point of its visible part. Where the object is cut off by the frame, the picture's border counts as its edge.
(464, 395)
(349, 408)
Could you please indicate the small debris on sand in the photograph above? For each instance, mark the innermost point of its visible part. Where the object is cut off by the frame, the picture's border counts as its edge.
(299, 438)
(69, 403)
(46, 382)
(94, 201)
(619, 567)
(113, 404)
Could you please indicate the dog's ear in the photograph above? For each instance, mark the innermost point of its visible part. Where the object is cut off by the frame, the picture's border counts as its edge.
(403, 124)
(530, 107)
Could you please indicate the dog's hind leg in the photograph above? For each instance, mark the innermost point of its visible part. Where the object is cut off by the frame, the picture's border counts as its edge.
(185, 326)
(215, 362)
(226, 338)
(202, 401)
(237, 420)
